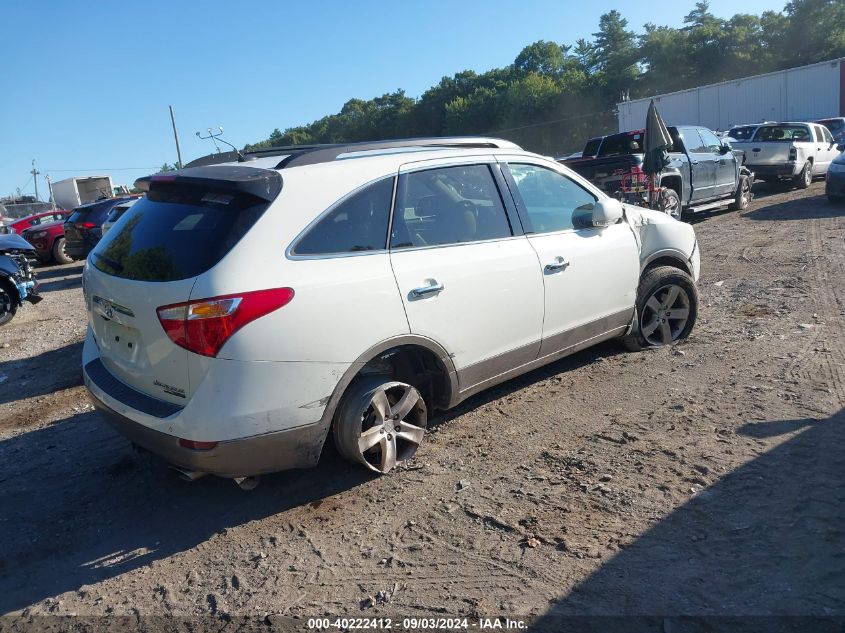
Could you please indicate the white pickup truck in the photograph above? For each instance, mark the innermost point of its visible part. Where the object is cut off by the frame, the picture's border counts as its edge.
(800, 151)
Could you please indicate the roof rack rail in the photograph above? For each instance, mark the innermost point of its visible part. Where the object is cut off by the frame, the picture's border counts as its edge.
(298, 155)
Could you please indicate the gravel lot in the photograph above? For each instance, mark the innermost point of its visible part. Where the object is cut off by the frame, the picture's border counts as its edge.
(702, 480)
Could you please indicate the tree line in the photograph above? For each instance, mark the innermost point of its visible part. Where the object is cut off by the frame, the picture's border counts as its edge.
(554, 96)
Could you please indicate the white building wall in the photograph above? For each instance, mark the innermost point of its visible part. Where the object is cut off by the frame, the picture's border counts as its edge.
(808, 92)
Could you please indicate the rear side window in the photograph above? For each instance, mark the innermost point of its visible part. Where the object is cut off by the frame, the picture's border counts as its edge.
(176, 232)
(742, 133)
(592, 147)
(621, 144)
(448, 205)
(357, 224)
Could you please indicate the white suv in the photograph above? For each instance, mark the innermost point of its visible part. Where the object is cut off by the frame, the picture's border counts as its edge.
(240, 312)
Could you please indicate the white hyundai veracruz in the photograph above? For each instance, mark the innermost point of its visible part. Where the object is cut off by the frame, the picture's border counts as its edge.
(240, 312)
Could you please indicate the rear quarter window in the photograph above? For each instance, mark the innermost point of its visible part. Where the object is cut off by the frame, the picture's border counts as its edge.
(176, 232)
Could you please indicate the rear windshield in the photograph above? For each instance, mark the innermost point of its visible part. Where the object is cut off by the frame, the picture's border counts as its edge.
(96, 213)
(782, 133)
(742, 133)
(176, 232)
(620, 144)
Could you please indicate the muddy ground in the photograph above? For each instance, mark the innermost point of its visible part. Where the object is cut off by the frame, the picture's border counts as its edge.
(701, 480)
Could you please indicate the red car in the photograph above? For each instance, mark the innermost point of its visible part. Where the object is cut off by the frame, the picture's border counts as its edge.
(18, 225)
(49, 242)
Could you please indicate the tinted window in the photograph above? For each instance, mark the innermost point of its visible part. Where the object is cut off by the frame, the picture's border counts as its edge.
(591, 147)
(357, 224)
(176, 232)
(620, 144)
(742, 133)
(785, 133)
(710, 140)
(550, 199)
(450, 205)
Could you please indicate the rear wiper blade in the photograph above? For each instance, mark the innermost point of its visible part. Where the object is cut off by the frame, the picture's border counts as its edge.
(109, 262)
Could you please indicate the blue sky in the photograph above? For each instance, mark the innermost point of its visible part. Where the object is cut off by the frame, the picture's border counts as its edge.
(86, 85)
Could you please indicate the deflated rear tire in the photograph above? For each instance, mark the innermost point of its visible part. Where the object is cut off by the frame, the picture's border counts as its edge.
(380, 423)
(667, 307)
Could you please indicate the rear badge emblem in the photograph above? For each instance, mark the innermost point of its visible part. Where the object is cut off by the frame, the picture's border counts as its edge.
(170, 390)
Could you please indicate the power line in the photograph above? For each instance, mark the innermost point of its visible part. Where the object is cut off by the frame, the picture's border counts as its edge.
(104, 169)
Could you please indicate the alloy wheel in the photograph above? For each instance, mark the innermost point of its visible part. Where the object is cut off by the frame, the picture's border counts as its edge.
(392, 424)
(665, 315)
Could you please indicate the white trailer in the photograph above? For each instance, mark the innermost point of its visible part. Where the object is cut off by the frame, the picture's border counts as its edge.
(72, 192)
(805, 93)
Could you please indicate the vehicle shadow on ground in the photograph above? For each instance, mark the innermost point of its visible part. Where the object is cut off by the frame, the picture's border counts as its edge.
(60, 271)
(40, 375)
(79, 506)
(775, 529)
(807, 208)
(60, 284)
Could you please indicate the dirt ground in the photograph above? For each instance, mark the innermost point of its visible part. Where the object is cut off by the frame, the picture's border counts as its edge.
(704, 480)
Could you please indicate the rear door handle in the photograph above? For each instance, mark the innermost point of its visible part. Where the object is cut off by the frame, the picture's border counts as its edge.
(557, 265)
(427, 290)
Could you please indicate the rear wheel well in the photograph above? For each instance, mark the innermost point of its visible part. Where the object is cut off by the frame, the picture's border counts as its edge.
(414, 365)
(667, 260)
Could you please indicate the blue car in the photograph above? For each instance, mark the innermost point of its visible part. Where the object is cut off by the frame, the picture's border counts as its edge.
(835, 181)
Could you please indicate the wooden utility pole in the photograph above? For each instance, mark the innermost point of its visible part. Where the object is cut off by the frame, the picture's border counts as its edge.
(176, 137)
(35, 173)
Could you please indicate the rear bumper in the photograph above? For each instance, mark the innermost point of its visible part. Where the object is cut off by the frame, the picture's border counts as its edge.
(787, 170)
(294, 448)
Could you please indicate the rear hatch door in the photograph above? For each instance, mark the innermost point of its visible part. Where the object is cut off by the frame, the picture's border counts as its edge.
(182, 229)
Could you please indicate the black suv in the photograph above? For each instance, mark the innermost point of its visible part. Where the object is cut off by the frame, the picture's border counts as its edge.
(84, 227)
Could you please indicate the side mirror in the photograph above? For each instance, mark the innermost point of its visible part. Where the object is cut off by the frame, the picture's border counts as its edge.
(724, 148)
(841, 147)
(606, 212)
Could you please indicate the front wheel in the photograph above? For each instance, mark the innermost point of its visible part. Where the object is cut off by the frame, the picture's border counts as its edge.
(743, 195)
(670, 203)
(8, 307)
(380, 423)
(667, 306)
(803, 179)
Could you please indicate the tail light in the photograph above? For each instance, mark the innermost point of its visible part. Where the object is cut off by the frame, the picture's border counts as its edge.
(85, 225)
(197, 445)
(204, 326)
(793, 153)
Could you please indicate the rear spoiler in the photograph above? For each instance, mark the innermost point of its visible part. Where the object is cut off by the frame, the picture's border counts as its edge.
(261, 183)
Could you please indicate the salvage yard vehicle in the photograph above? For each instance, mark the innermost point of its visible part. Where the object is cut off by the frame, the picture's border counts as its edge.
(17, 281)
(835, 181)
(84, 227)
(18, 225)
(48, 240)
(116, 213)
(703, 172)
(836, 125)
(240, 313)
(795, 151)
